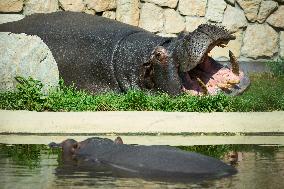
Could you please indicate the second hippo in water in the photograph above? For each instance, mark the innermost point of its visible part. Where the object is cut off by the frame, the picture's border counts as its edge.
(99, 55)
(155, 162)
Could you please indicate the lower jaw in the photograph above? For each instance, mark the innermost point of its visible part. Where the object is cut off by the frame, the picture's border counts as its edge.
(211, 78)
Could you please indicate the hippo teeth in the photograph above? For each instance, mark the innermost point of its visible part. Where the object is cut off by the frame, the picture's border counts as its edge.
(210, 77)
(234, 63)
(202, 86)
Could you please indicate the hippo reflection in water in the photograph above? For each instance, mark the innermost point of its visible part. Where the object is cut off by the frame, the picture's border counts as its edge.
(148, 162)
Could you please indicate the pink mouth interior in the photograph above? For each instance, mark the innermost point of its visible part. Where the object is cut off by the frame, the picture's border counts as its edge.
(214, 76)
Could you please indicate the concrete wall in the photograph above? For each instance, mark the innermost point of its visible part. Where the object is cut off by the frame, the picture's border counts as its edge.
(258, 24)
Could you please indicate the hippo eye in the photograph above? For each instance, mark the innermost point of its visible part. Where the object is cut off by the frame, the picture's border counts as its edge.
(75, 145)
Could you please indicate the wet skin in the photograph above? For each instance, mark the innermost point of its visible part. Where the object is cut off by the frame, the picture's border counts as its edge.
(100, 55)
(154, 162)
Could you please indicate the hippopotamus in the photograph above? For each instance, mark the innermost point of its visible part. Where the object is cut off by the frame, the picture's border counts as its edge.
(149, 162)
(98, 54)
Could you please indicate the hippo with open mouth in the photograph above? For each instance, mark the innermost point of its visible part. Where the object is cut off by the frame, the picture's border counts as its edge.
(99, 55)
(153, 162)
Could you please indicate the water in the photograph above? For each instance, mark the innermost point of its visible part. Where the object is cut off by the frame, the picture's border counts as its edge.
(35, 166)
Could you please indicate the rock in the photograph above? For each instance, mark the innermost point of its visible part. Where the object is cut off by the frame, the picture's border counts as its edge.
(72, 5)
(191, 23)
(4, 18)
(167, 35)
(109, 14)
(234, 19)
(174, 22)
(266, 8)
(101, 5)
(260, 41)
(127, 11)
(215, 10)
(231, 2)
(281, 44)
(89, 11)
(24, 55)
(220, 53)
(11, 5)
(280, 1)
(277, 18)
(164, 3)
(40, 6)
(192, 7)
(151, 17)
(250, 8)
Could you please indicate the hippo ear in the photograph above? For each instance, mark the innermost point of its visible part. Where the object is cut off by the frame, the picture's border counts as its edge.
(118, 140)
(160, 55)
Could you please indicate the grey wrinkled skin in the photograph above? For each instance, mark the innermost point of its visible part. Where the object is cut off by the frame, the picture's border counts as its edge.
(155, 162)
(100, 55)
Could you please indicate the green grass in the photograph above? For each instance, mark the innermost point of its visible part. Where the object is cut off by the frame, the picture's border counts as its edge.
(266, 93)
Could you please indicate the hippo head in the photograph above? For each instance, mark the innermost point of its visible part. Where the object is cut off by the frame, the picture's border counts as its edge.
(183, 65)
(71, 148)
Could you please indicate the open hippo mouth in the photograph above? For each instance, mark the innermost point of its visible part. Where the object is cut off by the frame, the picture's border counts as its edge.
(202, 75)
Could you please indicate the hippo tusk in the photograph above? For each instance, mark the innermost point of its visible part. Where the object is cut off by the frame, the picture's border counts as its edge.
(224, 86)
(203, 86)
(234, 63)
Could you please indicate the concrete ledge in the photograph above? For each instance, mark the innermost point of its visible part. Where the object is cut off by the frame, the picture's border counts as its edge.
(140, 122)
(151, 140)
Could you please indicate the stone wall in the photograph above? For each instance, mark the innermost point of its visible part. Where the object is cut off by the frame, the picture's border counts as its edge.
(258, 24)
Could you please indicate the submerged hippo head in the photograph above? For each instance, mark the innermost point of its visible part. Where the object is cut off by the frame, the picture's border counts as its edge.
(184, 65)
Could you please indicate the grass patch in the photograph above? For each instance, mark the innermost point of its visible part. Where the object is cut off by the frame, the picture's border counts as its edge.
(266, 93)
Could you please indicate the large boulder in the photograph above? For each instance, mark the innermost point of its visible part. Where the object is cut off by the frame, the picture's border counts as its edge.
(24, 55)
(174, 22)
(266, 8)
(192, 7)
(260, 41)
(251, 8)
(151, 17)
(40, 6)
(277, 18)
(72, 5)
(101, 5)
(127, 11)
(234, 19)
(215, 10)
(11, 5)
(4, 18)
(164, 3)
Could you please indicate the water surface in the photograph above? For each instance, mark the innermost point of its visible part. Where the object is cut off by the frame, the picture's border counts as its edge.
(36, 166)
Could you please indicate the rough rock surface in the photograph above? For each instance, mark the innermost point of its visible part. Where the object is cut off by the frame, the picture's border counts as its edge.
(281, 44)
(191, 23)
(101, 5)
(174, 22)
(127, 11)
(260, 41)
(277, 18)
(192, 7)
(220, 53)
(266, 8)
(151, 17)
(4, 18)
(109, 14)
(215, 10)
(24, 55)
(40, 6)
(250, 8)
(164, 3)
(72, 5)
(11, 5)
(231, 2)
(234, 19)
